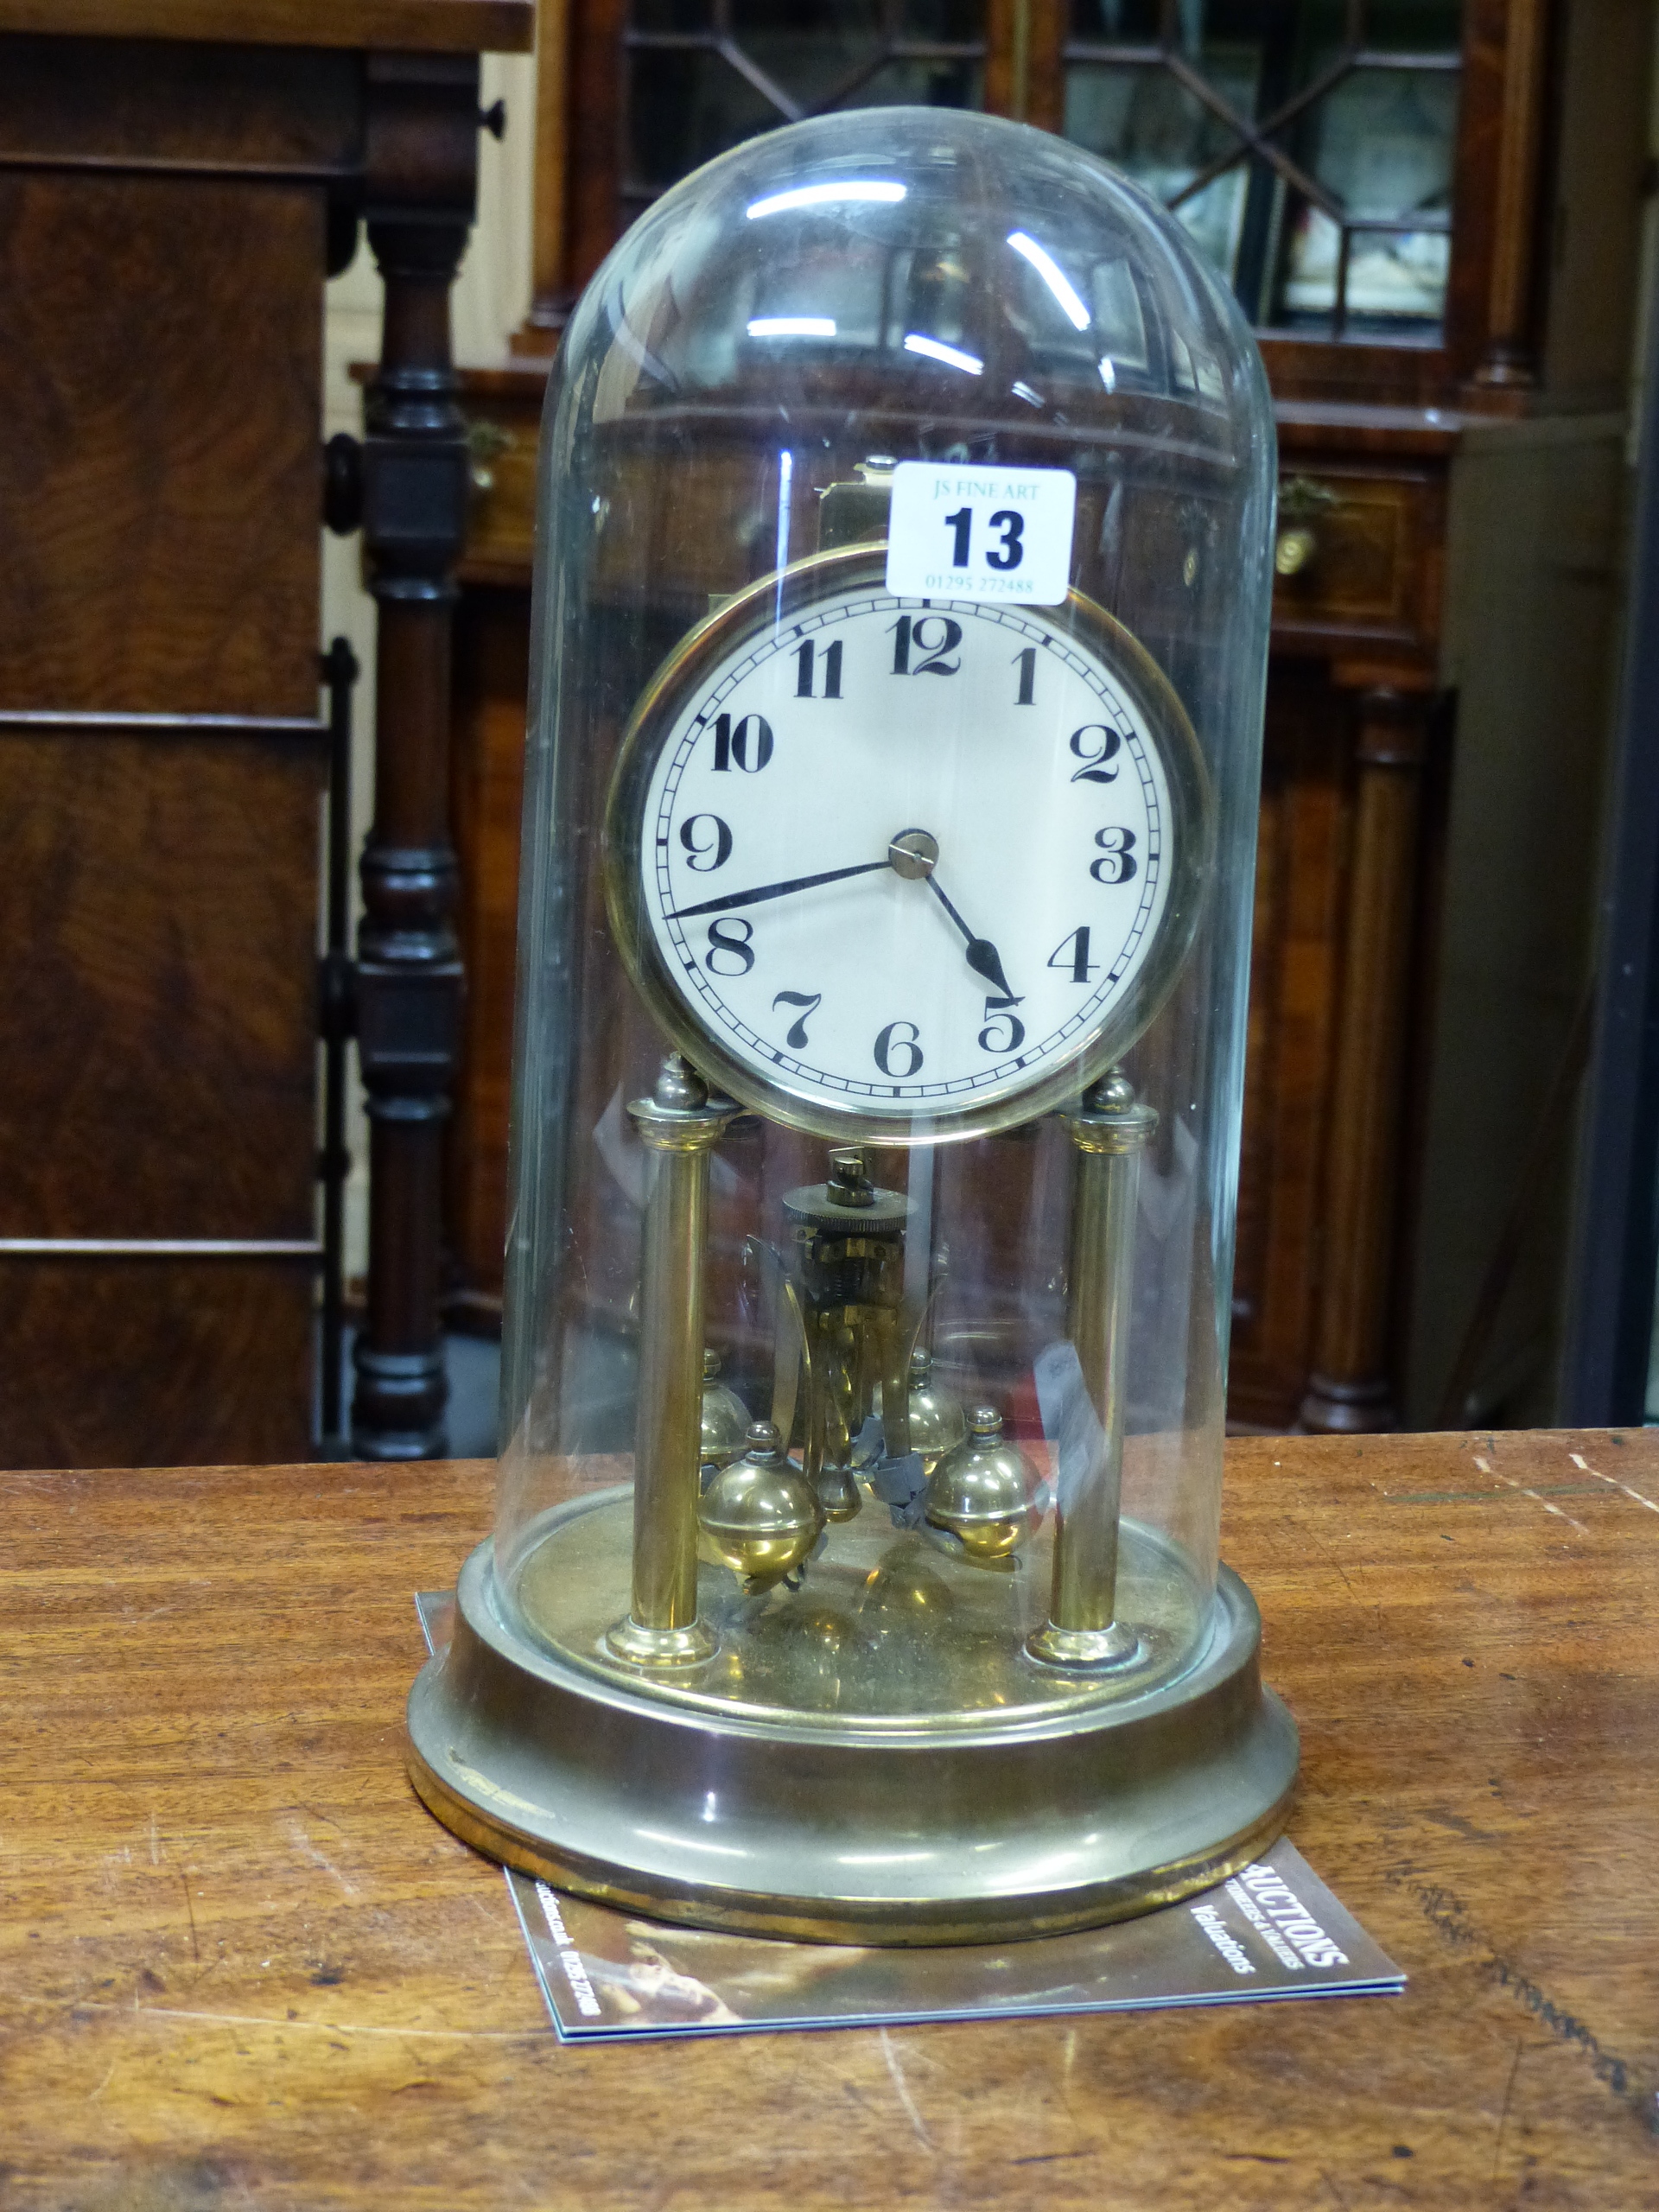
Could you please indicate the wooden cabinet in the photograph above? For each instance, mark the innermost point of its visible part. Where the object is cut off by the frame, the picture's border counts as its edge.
(174, 181)
(1378, 182)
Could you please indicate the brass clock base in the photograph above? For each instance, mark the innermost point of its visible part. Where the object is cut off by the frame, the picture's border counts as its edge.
(1076, 1809)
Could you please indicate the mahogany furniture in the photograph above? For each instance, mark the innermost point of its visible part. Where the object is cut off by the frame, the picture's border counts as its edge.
(1342, 1285)
(243, 1966)
(176, 181)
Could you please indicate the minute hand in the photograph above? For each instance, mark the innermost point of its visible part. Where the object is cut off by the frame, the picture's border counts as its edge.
(773, 890)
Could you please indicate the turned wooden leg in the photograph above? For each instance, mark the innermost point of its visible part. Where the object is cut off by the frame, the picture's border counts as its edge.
(1350, 1388)
(421, 169)
(1508, 357)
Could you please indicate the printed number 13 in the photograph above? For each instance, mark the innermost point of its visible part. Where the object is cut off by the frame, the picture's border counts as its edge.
(1010, 525)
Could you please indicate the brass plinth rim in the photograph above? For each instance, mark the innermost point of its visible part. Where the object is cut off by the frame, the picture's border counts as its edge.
(863, 1921)
(1033, 1832)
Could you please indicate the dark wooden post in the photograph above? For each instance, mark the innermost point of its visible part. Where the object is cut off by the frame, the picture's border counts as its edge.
(421, 176)
(1350, 1388)
(1498, 254)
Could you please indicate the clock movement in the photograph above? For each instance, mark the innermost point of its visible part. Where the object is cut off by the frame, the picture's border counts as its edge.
(902, 589)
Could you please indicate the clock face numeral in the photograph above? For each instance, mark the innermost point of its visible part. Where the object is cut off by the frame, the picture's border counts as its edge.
(808, 1001)
(747, 744)
(1116, 862)
(898, 1049)
(1071, 954)
(1095, 745)
(922, 644)
(816, 679)
(919, 845)
(1003, 1032)
(731, 942)
(707, 841)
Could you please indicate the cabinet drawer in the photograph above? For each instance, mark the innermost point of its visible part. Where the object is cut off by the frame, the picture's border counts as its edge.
(1357, 561)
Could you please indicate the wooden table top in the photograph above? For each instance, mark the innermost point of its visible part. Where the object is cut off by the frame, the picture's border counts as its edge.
(242, 1968)
(451, 26)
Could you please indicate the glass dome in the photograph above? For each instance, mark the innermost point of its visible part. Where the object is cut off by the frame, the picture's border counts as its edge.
(901, 618)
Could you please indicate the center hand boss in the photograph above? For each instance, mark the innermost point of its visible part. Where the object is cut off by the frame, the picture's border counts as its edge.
(982, 955)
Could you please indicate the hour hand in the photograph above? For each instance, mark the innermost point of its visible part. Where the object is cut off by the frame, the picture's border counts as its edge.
(985, 960)
(982, 955)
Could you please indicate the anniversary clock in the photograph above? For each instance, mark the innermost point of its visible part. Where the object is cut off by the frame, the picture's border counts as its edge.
(901, 601)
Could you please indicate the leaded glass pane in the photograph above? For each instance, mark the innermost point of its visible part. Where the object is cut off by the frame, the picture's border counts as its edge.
(1307, 145)
(705, 74)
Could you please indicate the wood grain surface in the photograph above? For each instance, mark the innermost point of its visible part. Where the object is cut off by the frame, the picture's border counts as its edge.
(459, 26)
(149, 1360)
(485, 805)
(124, 105)
(1303, 836)
(170, 562)
(242, 1968)
(161, 1034)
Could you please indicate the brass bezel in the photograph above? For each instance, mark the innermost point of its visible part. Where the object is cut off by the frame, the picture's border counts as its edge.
(774, 601)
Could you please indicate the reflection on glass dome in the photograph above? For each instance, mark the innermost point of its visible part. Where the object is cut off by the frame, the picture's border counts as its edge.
(872, 267)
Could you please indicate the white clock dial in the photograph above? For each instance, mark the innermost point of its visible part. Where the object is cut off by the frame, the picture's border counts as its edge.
(903, 861)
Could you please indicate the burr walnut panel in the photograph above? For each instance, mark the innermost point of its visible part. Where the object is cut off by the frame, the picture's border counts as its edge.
(223, 1347)
(170, 562)
(159, 887)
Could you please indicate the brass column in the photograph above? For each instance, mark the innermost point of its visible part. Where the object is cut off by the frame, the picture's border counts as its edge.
(681, 1122)
(1110, 1130)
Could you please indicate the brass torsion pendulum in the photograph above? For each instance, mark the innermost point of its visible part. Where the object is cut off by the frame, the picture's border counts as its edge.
(849, 1242)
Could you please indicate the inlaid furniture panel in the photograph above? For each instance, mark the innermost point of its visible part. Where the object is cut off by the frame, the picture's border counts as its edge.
(1359, 561)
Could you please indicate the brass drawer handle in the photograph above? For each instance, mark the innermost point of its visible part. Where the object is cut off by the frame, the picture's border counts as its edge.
(1295, 551)
(1297, 547)
(485, 441)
